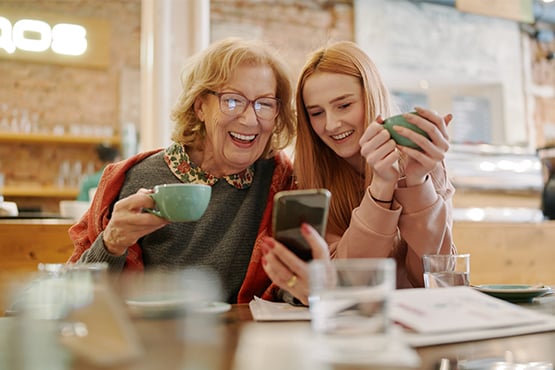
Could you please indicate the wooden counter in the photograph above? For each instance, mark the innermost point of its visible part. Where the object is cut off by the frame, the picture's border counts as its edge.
(508, 252)
(505, 252)
(25, 243)
(501, 253)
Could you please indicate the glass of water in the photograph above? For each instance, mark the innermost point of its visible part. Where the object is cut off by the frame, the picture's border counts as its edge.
(349, 306)
(445, 270)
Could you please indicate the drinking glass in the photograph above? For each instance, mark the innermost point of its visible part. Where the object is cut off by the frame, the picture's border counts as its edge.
(349, 306)
(445, 270)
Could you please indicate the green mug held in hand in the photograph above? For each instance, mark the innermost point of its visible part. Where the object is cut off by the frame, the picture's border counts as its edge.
(180, 202)
(399, 120)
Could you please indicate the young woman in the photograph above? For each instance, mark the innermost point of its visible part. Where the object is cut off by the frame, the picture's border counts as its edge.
(387, 200)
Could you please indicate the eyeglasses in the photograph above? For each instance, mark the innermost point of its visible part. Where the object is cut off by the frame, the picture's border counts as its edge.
(234, 104)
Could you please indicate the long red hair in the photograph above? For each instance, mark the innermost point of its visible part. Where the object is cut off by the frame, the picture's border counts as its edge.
(316, 165)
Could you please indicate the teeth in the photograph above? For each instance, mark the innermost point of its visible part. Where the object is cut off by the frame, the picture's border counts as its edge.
(343, 135)
(242, 137)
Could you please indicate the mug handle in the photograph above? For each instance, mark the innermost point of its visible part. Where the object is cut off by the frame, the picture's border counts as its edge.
(153, 211)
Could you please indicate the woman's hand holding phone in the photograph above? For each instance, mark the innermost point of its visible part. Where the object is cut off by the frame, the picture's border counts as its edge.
(286, 269)
(294, 207)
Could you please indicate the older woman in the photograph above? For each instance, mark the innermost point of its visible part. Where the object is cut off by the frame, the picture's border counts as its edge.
(233, 117)
(388, 200)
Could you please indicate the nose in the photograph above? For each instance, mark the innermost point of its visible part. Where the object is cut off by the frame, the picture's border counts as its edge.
(248, 117)
(332, 122)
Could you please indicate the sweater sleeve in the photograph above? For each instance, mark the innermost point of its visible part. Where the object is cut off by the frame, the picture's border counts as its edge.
(85, 232)
(426, 222)
(97, 252)
(371, 232)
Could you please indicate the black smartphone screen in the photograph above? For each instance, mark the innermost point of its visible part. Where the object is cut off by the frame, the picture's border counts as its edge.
(291, 209)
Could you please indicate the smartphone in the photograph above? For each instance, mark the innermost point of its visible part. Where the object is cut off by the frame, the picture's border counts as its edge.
(291, 209)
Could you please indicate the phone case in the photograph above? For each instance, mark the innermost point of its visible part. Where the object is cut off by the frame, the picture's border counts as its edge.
(291, 209)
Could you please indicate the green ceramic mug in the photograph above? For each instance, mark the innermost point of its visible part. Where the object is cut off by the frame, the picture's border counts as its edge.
(180, 202)
(399, 120)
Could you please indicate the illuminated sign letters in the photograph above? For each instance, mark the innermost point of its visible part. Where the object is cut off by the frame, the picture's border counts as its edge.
(37, 36)
(54, 38)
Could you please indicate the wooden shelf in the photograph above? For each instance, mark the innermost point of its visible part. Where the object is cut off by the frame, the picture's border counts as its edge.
(48, 193)
(10, 137)
(39, 192)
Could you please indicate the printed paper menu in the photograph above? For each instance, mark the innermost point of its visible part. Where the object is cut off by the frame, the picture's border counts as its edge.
(435, 316)
(455, 314)
(456, 308)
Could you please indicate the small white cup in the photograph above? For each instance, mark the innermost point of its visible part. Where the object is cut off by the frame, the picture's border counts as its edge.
(73, 209)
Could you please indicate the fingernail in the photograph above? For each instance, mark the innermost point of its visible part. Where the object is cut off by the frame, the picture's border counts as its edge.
(264, 248)
(448, 119)
(269, 242)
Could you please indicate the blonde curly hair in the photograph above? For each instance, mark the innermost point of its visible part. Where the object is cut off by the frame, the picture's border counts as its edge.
(212, 68)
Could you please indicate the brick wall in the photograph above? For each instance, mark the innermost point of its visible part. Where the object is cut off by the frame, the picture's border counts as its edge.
(66, 95)
(63, 96)
(293, 27)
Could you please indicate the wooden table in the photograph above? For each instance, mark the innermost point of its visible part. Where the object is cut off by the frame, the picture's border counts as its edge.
(165, 347)
(182, 343)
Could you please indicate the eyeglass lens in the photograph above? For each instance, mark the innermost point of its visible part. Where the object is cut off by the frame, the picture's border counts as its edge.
(233, 104)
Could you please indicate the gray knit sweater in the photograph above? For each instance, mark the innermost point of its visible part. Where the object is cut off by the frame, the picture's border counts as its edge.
(222, 239)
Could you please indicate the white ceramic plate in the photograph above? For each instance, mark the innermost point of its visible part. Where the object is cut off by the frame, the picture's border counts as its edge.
(168, 305)
(514, 292)
(214, 307)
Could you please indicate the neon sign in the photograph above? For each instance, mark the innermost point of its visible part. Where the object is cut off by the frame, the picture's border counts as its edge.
(54, 38)
(37, 36)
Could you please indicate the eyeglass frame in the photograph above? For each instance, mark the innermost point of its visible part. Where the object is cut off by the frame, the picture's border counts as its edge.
(250, 102)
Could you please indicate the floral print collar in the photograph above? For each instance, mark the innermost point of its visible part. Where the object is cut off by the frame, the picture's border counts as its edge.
(180, 164)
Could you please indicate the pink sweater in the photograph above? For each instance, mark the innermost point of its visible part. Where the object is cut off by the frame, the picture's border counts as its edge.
(419, 223)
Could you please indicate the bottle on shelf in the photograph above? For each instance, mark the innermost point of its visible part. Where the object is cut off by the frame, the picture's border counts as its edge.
(4, 117)
(129, 140)
(64, 174)
(2, 180)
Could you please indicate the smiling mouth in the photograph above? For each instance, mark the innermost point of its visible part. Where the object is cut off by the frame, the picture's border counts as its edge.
(241, 137)
(343, 135)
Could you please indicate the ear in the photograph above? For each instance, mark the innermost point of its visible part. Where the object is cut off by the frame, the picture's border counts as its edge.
(198, 109)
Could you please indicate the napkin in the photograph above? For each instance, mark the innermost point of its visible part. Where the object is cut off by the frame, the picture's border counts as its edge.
(263, 310)
(293, 345)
